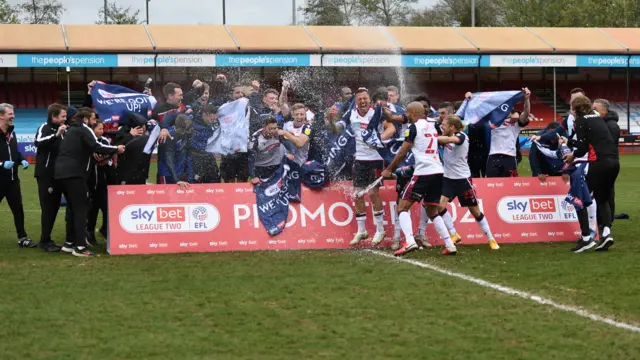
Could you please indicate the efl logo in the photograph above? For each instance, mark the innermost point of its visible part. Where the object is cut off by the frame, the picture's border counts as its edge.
(169, 218)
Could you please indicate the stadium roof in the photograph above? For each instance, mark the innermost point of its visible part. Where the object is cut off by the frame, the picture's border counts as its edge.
(107, 38)
(579, 40)
(31, 38)
(352, 39)
(500, 40)
(272, 38)
(315, 39)
(430, 40)
(190, 38)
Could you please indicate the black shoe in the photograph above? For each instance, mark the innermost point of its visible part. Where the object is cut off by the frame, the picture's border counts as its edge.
(583, 245)
(26, 243)
(91, 239)
(605, 244)
(67, 247)
(83, 252)
(49, 246)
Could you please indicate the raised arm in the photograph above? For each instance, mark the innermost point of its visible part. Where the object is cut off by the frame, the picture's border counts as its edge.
(524, 116)
(96, 146)
(455, 139)
(300, 140)
(44, 141)
(284, 96)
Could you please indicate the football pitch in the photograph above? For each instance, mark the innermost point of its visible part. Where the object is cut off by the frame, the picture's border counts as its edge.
(525, 301)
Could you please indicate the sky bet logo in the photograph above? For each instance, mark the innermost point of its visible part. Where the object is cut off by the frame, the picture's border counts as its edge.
(169, 218)
(533, 205)
(534, 209)
(163, 214)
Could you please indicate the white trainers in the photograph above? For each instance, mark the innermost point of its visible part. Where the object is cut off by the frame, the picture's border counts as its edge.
(395, 245)
(422, 241)
(378, 238)
(358, 237)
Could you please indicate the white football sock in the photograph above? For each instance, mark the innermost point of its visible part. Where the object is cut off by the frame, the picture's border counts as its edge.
(592, 212)
(484, 225)
(422, 228)
(396, 227)
(378, 218)
(441, 228)
(361, 219)
(448, 221)
(407, 227)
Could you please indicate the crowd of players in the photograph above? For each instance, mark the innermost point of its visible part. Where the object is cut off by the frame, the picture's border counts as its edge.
(78, 156)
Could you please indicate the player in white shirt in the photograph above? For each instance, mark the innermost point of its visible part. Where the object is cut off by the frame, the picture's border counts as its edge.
(401, 178)
(366, 169)
(457, 178)
(502, 161)
(298, 132)
(426, 183)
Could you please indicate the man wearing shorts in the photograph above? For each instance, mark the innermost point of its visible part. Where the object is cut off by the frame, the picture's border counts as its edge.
(366, 168)
(457, 178)
(426, 183)
(503, 161)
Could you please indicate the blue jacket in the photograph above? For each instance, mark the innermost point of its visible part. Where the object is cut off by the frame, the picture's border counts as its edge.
(541, 164)
(202, 133)
(177, 155)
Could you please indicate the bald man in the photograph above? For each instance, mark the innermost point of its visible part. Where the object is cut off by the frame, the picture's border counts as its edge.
(426, 184)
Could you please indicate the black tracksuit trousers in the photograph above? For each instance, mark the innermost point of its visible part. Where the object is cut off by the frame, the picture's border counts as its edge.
(11, 192)
(75, 191)
(50, 196)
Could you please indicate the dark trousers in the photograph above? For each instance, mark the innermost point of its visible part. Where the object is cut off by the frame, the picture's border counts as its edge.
(75, 191)
(501, 165)
(478, 166)
(70, 236)
(612, 202)
(50, 196)
(97, 203)
(11, 191)
(234, 168)
(205, 168)
(601, 180)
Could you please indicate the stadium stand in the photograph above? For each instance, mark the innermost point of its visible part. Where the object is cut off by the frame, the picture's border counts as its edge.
(35, 88)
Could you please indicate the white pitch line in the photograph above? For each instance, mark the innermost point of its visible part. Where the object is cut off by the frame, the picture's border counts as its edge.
(522, 294)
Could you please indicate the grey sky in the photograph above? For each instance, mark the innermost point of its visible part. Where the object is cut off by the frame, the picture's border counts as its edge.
(239, 12)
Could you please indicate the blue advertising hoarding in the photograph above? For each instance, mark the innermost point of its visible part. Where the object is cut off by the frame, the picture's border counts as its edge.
(444, 61)
(602, 61)
(70, 60)
(285, 60)
(250, 60)
(26, 144)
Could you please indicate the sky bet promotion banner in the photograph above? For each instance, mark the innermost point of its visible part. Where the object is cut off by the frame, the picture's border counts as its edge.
(224, 217)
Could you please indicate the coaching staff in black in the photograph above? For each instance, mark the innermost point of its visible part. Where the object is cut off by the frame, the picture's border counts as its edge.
(10, 160)
(47, 141)
(594, 139)
(78, 145)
